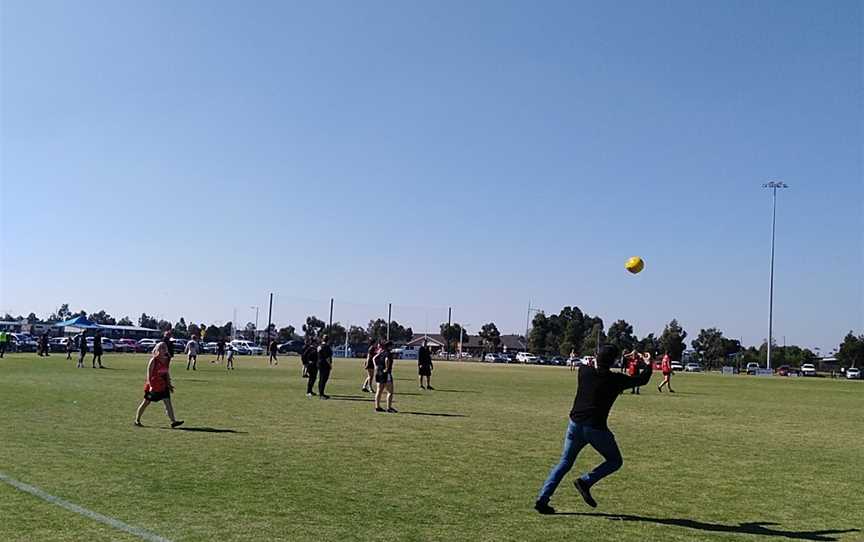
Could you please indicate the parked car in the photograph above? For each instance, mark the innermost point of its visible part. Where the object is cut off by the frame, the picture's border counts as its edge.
(209, 348)
(786, 370)
(294, 345)
(179, 345)
(146, 345)
(676, 366)
(808, 369)
(490, 358)
(693, 368)
(58, 344)
(853, 373)
(107, 344)
(125, 345)
(525, 357)
(246, 348)
(22, 342)
(752, 367)
(558, 360)
(587, 361)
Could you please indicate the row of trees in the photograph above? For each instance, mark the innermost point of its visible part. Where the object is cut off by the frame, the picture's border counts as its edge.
(571, 330)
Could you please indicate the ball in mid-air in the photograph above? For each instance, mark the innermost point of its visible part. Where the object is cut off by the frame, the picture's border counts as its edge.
(635, 264)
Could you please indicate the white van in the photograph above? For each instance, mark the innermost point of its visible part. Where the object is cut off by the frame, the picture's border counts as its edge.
(525, 357)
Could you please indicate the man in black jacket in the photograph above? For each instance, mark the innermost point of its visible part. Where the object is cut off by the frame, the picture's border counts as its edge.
(424, 366)
(309, 357)
(325, 363)
(596, 393)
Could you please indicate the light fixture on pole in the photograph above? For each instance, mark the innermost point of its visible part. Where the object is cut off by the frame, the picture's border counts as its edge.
(773, 186)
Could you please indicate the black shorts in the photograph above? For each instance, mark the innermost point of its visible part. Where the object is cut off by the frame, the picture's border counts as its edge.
(424, 370)
(383, 378)
(156, 396)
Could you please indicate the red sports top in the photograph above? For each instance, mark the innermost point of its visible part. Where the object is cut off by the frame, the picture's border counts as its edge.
(157, 378)
(666, 365)
(631, 367)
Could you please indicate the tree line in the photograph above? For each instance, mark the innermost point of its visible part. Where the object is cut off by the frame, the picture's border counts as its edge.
(571, 330)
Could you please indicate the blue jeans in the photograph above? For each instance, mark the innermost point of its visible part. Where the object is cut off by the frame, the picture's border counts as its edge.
(576, 438)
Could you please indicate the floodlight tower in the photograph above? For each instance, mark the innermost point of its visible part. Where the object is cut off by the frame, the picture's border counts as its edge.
(773, 186)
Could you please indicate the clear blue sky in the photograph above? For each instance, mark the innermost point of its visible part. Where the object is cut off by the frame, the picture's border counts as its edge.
(187, 158)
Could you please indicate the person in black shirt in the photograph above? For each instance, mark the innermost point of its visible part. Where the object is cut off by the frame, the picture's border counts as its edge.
(424, 366)
(310, 363)
(43, 344)
(70, 347)
(82, 349)
(220, 349)
(274, 349)
(325, 364)
(97, 350)
(384, 376)
(166, 338)
(596, 392)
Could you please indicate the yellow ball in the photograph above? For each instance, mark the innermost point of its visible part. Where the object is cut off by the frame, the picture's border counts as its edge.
(635, 264)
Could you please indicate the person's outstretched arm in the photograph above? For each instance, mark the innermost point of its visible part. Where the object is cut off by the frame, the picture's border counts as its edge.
(641, 378)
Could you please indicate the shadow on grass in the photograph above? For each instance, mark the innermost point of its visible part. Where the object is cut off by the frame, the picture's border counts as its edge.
(763, 528)
(196, 429)
(456, 391)
(350, 398)
(206, 430)
(438, 414)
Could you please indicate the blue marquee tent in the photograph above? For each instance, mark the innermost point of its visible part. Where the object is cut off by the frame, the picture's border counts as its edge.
(80, 322)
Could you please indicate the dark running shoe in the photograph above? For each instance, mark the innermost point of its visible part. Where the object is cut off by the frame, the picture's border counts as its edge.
(136, 423)
(178, 423)
(379, 409)
(392, 410)
(584, 490)
(544, 508)
(323, 396)
(429, 388)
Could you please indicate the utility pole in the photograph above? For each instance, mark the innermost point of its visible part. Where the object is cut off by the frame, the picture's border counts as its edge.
(773, 185)
(449, 317)
(269, 319)
(255, 334)
(389, 315)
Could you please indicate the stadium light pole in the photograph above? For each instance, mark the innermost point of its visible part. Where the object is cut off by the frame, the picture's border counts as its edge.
(255, 334)
(773, 186)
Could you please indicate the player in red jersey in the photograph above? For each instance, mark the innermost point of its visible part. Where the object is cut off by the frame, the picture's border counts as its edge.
(666, 369)
(158, 385)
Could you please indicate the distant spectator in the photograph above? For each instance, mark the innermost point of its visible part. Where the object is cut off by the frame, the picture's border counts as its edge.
(229, 364)
(82, 349)
(369, 367)
(273, 349)
(97, 349)
(424, 366)
(220, 349)
(309, 358)
(192, 352)
(4, 340)
(325, 365)
(666, 369)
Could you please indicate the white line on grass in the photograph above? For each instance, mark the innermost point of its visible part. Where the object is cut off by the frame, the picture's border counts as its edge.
(96, 516)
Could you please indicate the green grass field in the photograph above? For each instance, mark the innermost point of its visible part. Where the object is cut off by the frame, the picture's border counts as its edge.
(726, 458)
